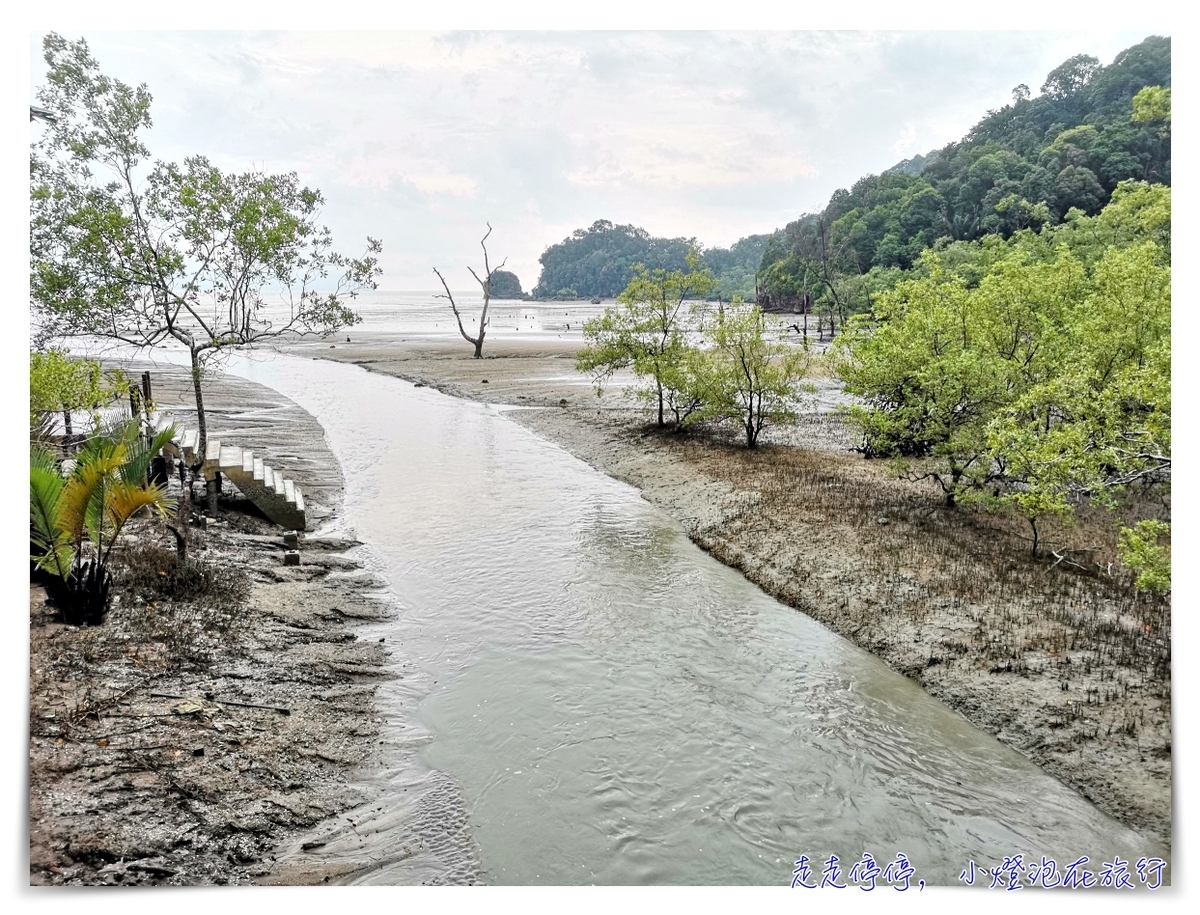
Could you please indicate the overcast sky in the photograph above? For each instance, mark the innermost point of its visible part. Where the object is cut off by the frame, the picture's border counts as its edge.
(419, 138)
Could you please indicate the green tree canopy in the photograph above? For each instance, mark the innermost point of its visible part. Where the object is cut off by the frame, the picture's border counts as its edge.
(1035, 373)
(1022, 166)
(752, 378)
(506, 285)
(647, 331)
(146, 252)
(60, 382)
(1152, 105)
(599, 260)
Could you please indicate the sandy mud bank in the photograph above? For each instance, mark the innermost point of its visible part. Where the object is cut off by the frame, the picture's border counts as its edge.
(182, 741)
(1067, 668)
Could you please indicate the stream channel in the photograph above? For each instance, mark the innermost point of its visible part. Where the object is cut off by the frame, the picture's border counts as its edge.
(581, 695)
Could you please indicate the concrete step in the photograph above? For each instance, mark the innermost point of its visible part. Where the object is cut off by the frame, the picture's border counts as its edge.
(278, 497)
(160, 421)
(188, 443)
(229, 456)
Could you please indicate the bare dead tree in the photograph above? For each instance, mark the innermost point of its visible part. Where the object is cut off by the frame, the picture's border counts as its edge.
(486, 285)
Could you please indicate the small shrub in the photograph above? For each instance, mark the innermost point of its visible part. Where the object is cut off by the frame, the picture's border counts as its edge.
(1143, 551)
(191, 609)
(189, 632)
(153, 572)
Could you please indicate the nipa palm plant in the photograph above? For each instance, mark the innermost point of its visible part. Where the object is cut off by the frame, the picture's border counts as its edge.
(75, 519)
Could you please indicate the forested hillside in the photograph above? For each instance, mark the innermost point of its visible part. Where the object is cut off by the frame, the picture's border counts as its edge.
(1026, 165)
(598, 261)
(506, 285)
(735, 267)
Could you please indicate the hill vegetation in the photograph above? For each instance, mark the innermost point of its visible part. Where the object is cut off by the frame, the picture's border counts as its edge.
(599, 261)
(506, 285)
(1024, 166)
(1004, 305)
(1033, 374)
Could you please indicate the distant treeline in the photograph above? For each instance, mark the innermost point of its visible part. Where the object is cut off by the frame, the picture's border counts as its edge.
(1026, 165)
(598, 261)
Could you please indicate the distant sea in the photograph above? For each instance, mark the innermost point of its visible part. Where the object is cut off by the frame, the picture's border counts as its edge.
(423, 314)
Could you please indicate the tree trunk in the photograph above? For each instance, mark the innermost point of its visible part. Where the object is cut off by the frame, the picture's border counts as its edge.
(952, 489)
(147, 404)
(182, 516)
(202, 425)
(1033, 524)
(201, 418)
(486, 286)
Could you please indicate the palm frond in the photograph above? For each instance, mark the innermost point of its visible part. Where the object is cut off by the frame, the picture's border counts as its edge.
(57, 558)
(82, 499)
(46, 485)
(41, 427)
(124, 500)
(136, 469)
(97, 448)
(161, 438)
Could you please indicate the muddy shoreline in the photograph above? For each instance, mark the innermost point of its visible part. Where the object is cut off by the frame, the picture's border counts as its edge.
(1064, 668)
(181, 745)
(127, 787)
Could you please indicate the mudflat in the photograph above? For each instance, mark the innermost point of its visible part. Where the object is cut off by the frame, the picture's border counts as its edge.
(176, 744)
(182, 741)
(1067, 665)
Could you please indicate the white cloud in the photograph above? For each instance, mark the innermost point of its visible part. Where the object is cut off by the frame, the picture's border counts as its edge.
(440, 181)
(904, 143)
(713, 158)
(419, 138)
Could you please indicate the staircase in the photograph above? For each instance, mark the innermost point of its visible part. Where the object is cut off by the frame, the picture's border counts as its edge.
(277, 497)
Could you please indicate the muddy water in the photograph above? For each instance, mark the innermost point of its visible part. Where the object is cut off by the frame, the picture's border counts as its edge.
(583, 696)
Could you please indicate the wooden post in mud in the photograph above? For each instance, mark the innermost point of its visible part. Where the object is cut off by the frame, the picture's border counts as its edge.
(183, 515)
(212, 489)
